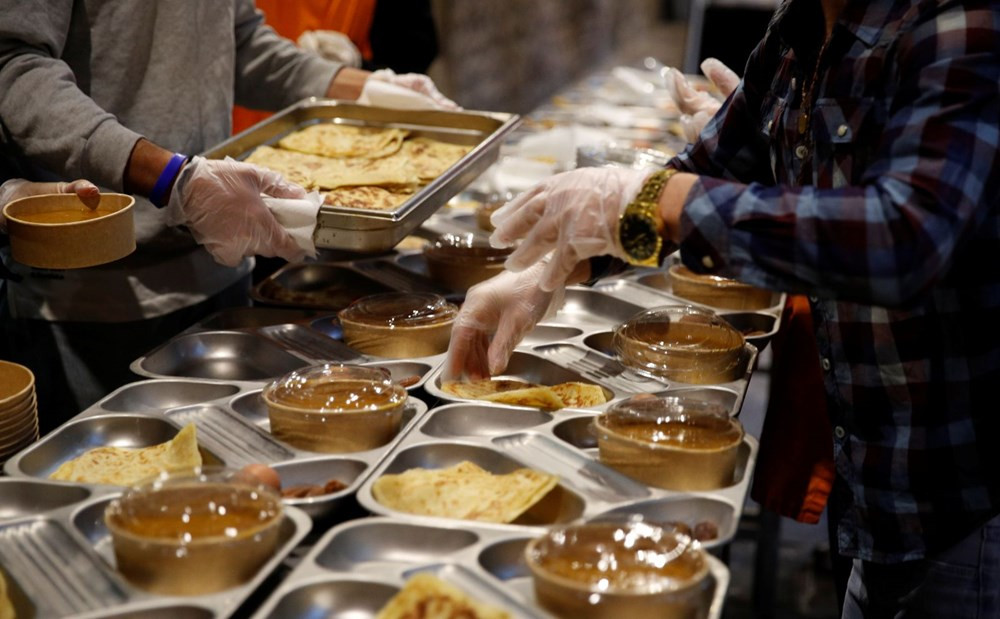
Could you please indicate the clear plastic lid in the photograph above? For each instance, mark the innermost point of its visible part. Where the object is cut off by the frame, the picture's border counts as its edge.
(193, 506)
(466, 248)
(680, 271)
(617, 557)
(333, 388)
(678, 340)
(671, 422)
(400, 309)
(620, 156)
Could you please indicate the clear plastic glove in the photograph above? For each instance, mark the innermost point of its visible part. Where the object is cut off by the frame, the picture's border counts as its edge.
(17, 188)
(698, 107)
(418, 83)
(574, 215)
(495, 317)
(221, 203)
(331, 45)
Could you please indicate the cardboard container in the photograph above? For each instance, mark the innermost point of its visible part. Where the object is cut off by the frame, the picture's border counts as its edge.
(78, 239)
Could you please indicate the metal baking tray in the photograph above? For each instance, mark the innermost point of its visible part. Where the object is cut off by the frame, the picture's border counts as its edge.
(233, 429)
(576, 346)
(262, 353)
(58, 558)
(355, 568)
(501, 439)
(366, 230)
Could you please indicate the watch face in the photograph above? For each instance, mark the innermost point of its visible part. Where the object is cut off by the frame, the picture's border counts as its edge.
(639, 237)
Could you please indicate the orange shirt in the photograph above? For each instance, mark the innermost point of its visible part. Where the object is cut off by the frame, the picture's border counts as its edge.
(291, 19)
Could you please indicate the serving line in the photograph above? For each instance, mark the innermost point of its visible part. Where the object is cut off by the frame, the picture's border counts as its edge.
(355, 568)
(501, 439)
(58, 558)
(233, 429)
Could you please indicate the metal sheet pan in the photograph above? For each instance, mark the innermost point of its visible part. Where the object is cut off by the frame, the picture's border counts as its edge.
(366, 230)
(355, 568)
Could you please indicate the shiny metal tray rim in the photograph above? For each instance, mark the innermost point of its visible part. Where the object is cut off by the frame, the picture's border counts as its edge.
(634, 277)
(319, 507)
(221, 604)
(734, 495)
(309, 571)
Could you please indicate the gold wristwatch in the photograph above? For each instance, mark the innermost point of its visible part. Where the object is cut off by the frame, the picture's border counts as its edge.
(639, 224)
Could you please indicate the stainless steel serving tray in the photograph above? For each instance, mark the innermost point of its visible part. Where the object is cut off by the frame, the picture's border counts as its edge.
(57, 556)
(367, 230)
(503, 438)
(355, 568)
(233, 429)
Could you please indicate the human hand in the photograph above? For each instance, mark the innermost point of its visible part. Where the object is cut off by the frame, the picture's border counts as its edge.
(221, 203)
(698, 107)
(505, 307)
(416, 82)
(574, 215)
(17, 188)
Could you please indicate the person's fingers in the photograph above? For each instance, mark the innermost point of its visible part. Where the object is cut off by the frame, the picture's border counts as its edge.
(281, 188)
(691, 130)
(724, 78)
(88, 192)
(512, 327)
(507, 211)
(561, 264)
(541, 239)
(466, 354)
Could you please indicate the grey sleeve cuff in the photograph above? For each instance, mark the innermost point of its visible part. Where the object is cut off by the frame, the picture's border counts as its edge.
(107, 152)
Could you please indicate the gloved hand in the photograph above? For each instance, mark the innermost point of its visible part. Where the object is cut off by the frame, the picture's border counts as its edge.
(698, 107)
(332, 45)
(220, 201)
(505, 307)
(17, 188)
(416, 82)
(574, 215)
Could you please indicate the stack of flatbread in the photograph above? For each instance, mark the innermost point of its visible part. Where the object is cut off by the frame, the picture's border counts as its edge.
(427, 597)
(359, 167)
(504, 391)
(123, 466)
(464, 491)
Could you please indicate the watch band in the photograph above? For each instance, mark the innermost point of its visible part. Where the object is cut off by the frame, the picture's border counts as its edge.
(638, 227)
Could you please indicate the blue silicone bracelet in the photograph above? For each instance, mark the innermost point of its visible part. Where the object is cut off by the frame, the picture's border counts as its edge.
(166, 177)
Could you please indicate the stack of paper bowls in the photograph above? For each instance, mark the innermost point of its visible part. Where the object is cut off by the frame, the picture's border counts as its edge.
(18, 409)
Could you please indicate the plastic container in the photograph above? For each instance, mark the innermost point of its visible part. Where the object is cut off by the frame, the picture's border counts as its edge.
(681, 343)
(462, 261)
(614, 570)
(717, 291)
(194, 532)
(58, 231)
(619, 156)
(334, 408)
(675, 443)
(399, 325)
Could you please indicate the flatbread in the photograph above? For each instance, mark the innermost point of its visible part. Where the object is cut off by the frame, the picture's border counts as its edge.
(6, 605)
(464, 491)
(369, 198)
(332, 140)
(123, 466)
(504, 391)
(430, 158)
(315, 172)
(426, 596)
(296, 167)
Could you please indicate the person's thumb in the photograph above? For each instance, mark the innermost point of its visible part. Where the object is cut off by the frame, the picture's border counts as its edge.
(88, 192)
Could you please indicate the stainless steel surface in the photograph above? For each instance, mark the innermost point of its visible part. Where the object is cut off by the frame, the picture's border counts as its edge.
(329, 286)
(365, 230)
(218, 355)
(356, 567)
(500, 439)
(311, 343)
(163, 394)
(26, 497)
(584, 306)
(253, 317)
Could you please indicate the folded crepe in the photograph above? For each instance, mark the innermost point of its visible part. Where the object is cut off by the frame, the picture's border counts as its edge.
(427, 597)
(504, 391)
(123, 466)
(315, 172)
(369, 198)
(464, 491)
(332, 140)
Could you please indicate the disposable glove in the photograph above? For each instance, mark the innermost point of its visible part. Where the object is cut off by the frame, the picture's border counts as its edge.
(221, 203)
(574, 215)
(17, 188)
(416, 82)
(332, 45)
(698, 107)
(505, 307)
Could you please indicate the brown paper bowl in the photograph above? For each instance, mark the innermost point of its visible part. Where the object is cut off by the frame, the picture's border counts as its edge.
(717, 291)
(76, 242)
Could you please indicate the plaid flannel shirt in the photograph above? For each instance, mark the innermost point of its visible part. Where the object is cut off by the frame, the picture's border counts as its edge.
(886, 210)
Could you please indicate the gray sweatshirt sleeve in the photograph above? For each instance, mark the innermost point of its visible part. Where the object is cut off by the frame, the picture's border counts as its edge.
(42, 110)
(271, 72)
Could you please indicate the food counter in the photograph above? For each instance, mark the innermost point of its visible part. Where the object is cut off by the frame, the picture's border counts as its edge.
(57, 550)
